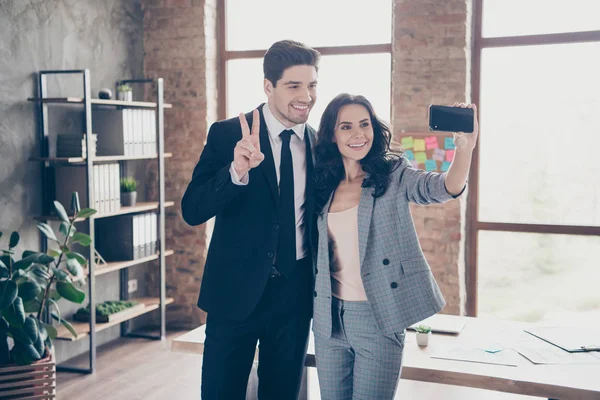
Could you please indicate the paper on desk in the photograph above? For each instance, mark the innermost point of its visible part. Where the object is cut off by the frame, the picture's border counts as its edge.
(539, 352)
(505, 357)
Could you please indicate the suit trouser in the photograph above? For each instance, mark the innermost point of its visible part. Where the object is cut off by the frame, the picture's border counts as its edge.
(357, 361)
(280, 323)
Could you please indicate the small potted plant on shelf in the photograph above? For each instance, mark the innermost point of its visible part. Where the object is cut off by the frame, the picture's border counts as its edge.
(29, 292)
(128, 192)
(124, 92)
(423, 334)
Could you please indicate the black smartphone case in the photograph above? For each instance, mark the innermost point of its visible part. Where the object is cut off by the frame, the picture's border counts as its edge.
(450, 119)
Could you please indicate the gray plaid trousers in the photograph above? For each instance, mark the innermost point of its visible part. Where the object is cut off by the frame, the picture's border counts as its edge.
(357, 361)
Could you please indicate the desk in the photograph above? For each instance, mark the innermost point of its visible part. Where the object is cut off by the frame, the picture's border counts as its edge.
(549, 381)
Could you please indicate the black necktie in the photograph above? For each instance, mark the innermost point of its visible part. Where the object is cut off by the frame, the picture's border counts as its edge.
(286, 248)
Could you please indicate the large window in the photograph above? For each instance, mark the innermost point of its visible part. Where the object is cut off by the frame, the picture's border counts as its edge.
(355, 47)
(534, 208)
(503, 18)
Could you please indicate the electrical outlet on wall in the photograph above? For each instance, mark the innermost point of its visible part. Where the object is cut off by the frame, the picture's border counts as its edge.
(132, 286)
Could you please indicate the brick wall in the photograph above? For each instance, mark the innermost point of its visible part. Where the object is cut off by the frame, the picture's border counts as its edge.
(180, 46)
(431, 59)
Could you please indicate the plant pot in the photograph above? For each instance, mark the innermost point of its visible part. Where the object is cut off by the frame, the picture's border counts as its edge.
(125, 96)
(423, 338)
(36, 381)
(128, 199)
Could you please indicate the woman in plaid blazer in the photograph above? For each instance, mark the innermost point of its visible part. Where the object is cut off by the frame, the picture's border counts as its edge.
(372, 280)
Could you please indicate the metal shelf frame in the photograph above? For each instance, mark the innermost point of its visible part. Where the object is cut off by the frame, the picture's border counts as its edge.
(87, 102)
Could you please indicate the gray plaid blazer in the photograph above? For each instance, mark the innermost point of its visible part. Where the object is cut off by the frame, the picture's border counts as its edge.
(397, 279)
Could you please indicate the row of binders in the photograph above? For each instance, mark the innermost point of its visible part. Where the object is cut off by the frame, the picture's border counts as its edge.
(127, 237)
(125, 132)
(106, 180)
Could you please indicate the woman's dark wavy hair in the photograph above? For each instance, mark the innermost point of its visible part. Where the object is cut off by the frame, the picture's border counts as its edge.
(329, 168)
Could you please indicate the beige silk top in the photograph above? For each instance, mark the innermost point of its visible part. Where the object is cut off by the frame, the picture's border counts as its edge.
(346, 282)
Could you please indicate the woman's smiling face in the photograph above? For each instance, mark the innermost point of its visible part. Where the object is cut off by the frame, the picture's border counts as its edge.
(354, 132)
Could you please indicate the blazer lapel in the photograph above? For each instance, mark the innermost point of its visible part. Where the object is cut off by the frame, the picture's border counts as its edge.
(267, 166)
(365, 212)
(322, 222)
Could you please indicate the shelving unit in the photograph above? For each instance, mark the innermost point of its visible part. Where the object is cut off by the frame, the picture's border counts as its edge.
(117, 265)
(97, 160)
(91, 328)
(139, 207)
(83, 328)
(96, 102)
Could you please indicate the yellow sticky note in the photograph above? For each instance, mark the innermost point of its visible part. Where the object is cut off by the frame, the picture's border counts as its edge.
(407, 142)
(421, 157)
(419, 145)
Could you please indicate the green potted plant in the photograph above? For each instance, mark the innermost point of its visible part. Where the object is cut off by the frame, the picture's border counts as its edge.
(128, 192)
(32, 286)
(30, 289)
(124, 92)
(423, 334)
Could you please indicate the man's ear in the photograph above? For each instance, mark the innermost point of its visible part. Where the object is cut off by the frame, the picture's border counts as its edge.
(268, 86)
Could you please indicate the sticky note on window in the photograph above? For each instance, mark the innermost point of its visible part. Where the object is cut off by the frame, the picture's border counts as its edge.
(419, 145)
(407, 142)
(449, 155)
(430, 165)
(415, 164)
(431, 142)
(449, 143)
(421, 157)
(445, 166)
(439, 154)
(409, 154)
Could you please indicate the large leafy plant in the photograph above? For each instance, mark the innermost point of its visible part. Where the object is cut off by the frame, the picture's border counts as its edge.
(31, 287)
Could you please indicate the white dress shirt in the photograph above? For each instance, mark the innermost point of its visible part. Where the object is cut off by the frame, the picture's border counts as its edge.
(298, 149)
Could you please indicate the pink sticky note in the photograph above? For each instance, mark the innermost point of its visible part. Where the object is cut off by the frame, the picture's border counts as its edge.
(415, 164)
(431, 142)
(449, 155)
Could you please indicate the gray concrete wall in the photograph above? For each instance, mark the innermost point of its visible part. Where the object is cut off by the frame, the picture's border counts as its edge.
(104, 36)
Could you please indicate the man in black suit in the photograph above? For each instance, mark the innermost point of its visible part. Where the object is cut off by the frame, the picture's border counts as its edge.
(258, 277)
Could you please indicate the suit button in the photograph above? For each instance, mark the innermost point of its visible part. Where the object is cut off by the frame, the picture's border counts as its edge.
(315, 293)
(386, 261)
(270, 254)
(394, 285)
(316, 271)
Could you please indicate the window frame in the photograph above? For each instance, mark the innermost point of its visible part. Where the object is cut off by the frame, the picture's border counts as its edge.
(473, 224)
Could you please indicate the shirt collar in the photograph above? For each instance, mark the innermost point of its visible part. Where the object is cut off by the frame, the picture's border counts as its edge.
(274, 127)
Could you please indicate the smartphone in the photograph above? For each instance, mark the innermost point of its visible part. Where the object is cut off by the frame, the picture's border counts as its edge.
(450, 119)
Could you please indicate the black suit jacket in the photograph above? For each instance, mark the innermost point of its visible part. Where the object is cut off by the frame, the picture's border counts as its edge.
(245, 234)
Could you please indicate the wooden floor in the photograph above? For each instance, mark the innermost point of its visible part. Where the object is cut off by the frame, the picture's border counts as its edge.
(132, 369)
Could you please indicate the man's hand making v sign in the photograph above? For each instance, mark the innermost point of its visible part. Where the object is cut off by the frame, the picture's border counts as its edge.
(246, 154)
